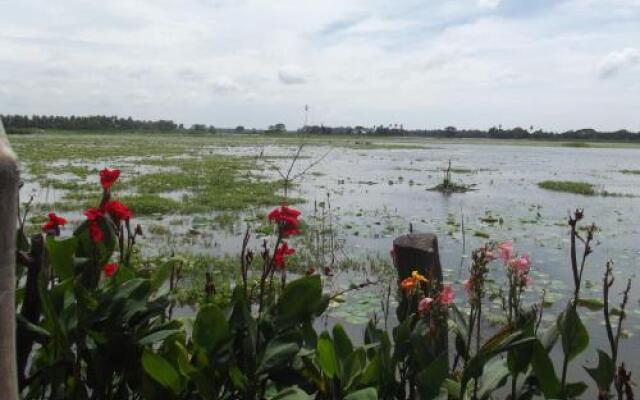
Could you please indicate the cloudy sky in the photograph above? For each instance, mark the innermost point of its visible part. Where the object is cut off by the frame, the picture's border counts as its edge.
(553, 64)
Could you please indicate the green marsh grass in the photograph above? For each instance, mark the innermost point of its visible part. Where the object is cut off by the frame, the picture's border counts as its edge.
(576, 187)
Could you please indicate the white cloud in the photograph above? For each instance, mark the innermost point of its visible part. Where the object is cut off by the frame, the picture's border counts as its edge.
(224, 84)
(489, 3)
(292, 74)
(618, 60)
(424, 64)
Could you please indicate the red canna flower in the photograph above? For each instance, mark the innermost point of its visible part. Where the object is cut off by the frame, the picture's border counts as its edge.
(93, 214)
(95, 232)
(110, 269)
(281, 252)
(287, 219)
(108, 177)
(118, 211)
(53, 225)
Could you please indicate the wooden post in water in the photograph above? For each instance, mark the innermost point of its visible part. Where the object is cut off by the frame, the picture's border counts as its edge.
(8, 218)
(419, 252)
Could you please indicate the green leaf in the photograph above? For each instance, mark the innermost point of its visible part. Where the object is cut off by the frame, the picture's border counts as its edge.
(292, 393)
(24, 324)
(61, 255)
(327, 356)
(545, 372)
(157, 336)
(279, 352)
(493, 377)
(432, 377)
(161, 274)
(300, 300)
(343, 344)
(575, 390)
(363, 394)
(161, 371)
(239, 379)
(353, 367)
(603, 374)
(575, 337)
(452, 387)
(211, 328)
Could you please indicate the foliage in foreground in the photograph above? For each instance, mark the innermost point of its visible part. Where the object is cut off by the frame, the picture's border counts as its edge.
(96, 322)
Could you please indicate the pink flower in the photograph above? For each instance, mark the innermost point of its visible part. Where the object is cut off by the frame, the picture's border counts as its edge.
(468, 285)
(447, 295)
(506, 251)
(522, 264)
(424, 305)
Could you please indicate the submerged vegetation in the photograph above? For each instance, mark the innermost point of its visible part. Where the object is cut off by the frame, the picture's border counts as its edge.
(448, 185)
(584, 188)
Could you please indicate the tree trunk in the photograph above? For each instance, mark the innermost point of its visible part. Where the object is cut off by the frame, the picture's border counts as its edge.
(8, 218)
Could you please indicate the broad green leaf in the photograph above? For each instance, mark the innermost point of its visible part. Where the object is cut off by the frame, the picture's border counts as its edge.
(292, 393)
(239, 379)
(353, 367)
(431, 378)
(157, 336)
(363, 394)
(604, 373)
(493, 377)
(575, 390)
(545, 372)
(327, 356)
(161, 274)
(61, 255)
(161, 371)
(575, 337)
(211, 328)
(300, 299)
(342, 343)
(279, 352)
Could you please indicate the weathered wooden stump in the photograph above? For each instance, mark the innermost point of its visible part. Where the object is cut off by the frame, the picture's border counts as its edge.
(419, 252)
(9, 178)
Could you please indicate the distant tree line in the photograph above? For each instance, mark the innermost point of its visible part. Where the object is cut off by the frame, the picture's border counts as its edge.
(25, 123)
(492, 133)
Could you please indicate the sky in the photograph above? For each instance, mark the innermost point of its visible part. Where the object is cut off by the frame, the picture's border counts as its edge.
(550, 64)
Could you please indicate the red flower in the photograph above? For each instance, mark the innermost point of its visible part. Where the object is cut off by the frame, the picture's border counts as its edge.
(118, 211)
(108, 177)
(287, 219)
(110, 269)
(95, 232)
(281, 252)
(93, 214)
(54, 224)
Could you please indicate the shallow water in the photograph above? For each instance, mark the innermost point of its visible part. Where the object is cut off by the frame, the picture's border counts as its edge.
(376, 194)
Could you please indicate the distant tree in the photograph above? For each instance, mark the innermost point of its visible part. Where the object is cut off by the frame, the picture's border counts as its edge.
(239, 129)
(277, 128)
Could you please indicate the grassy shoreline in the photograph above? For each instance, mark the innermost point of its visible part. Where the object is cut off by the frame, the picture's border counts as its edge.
(363, 141)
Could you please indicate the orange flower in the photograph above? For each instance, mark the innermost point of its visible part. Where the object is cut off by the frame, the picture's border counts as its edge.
(411, 282)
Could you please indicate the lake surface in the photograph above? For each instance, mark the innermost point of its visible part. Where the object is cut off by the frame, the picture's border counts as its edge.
(376, 194)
